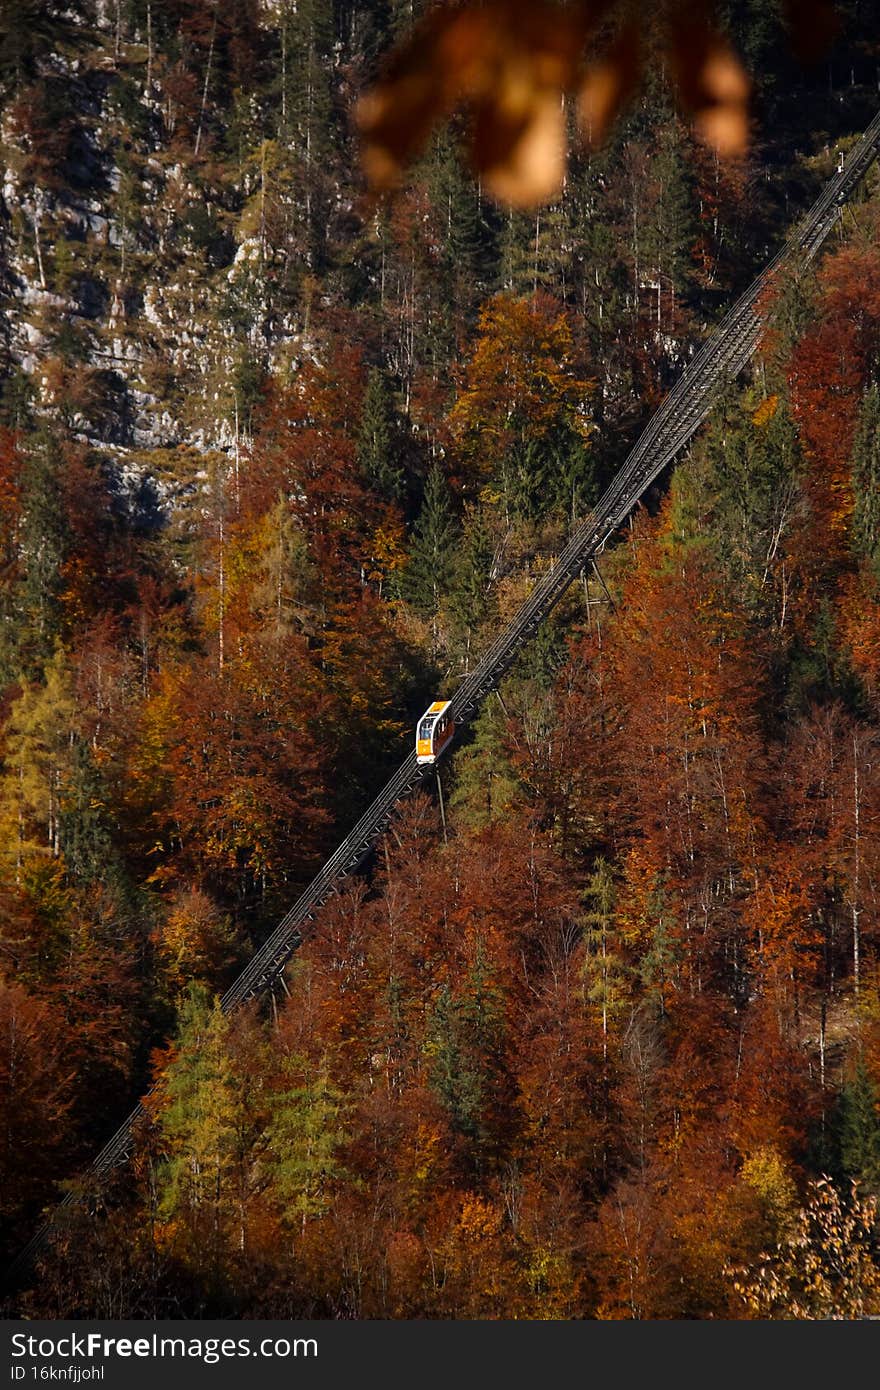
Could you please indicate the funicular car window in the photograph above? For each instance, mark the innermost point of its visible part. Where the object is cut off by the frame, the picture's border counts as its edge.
(425, 728)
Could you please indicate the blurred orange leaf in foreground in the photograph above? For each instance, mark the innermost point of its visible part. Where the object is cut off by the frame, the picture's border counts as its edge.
(512, 63)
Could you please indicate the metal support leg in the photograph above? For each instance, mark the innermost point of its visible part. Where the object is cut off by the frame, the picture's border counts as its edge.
(598, 574)
(442, 807)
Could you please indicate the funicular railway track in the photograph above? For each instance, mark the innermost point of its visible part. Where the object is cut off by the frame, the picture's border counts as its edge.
(722, 357)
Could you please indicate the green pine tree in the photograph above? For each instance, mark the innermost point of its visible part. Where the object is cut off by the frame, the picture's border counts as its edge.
(44, 542)
(379, 439)
(671, 222)
(305, 102)
(747, 480)
(248, 380)
(465, 1045)
(306, 1135)
(197, 1129)
(792, 312)
(570, 471)
(658, 966)
(600, 279)
(486, 787)
(470, 597)
(16, 399)
(426, 579)
(859, 1129)
(603, 970)
(85, 828)
(534, 251)
(866, 481)
(468, 236)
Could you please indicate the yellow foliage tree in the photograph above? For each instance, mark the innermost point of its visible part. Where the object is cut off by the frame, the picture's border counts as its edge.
(39, 738)
(828, 1266)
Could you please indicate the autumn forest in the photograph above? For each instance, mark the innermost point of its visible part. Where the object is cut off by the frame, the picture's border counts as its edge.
(597, 1033)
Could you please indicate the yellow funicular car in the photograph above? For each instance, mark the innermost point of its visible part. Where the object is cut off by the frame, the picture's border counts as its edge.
(433, 731)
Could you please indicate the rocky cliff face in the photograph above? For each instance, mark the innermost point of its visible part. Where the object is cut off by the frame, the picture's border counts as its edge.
(141, 258)
(179, 204)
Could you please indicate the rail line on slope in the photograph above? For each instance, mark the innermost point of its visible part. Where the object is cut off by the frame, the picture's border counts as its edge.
(724, 354)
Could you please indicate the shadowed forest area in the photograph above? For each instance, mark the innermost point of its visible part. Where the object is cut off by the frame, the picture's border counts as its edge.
(276, 463)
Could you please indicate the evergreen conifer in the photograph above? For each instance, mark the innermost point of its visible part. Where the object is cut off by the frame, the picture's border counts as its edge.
(378, 441)
(866, 480)
(859, 1129)
(426, 578)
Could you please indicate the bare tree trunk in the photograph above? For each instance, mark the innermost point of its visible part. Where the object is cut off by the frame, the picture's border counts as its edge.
(857, 864)
(149, 83)
(284, 71)
(222, 597)
(37, 219)
(207, 81)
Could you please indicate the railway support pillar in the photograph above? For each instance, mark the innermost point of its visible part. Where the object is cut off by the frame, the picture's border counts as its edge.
(442, 807)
